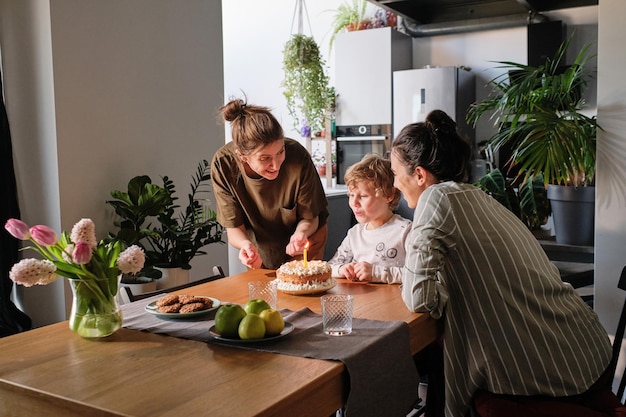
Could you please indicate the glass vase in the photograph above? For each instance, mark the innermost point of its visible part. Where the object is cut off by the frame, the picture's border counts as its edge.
(95, 310)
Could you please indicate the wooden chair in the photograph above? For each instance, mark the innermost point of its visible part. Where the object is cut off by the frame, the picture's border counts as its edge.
(613, 402)
(128, 296)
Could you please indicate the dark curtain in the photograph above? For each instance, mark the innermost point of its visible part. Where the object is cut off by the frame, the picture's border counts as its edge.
(12, 320)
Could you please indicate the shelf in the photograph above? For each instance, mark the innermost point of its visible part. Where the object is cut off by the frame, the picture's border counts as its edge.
(328, 139)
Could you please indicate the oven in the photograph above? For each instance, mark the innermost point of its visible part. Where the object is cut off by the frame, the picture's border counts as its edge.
(354, 142)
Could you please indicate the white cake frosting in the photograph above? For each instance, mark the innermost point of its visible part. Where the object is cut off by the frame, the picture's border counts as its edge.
(298, 268)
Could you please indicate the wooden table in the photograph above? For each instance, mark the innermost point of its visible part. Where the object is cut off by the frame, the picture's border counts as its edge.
(51, 371)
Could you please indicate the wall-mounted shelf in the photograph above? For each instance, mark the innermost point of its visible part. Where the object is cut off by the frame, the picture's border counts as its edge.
(328, 139)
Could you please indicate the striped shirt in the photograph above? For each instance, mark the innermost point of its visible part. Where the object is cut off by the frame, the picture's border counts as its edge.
(511, 325)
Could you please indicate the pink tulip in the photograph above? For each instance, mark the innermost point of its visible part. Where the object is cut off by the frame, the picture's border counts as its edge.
(82, 253)
(18, 229)
(43, 235)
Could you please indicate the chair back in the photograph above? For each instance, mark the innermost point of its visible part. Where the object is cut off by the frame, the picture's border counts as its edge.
(128, 295)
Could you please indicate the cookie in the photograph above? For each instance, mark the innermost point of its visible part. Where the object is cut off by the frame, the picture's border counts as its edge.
(188, 299)
(167, 300)
(170, 308)
(191, 307)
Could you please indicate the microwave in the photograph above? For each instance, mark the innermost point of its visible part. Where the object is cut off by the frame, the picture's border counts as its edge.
(356, 141)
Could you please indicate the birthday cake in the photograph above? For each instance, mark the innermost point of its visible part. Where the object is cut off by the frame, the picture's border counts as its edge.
(296, 277)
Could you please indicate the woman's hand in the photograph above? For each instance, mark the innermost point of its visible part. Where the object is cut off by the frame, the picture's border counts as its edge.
(301, 235)
(249, 256)
(296, 243)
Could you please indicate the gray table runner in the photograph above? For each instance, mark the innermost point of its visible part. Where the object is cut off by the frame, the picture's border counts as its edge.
(383, 378)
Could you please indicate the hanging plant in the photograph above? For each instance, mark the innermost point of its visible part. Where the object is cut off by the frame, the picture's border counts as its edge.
(306, 84)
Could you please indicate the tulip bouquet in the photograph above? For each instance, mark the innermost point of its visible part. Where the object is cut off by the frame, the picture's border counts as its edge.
(92, 268)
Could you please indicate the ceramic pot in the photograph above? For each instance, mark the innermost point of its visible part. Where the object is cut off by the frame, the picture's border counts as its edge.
(573, 213)
(172, 277)
(141, 285)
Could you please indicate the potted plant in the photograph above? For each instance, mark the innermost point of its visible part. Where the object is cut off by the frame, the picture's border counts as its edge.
(538, 111)
(171, 237)
(528, 200)
(307, 92)
(352, 16)
(142, 201)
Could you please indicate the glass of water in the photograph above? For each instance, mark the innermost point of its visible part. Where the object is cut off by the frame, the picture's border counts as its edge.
(337, 314)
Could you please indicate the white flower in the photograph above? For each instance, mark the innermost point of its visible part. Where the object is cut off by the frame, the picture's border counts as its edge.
(29, 272)
(85, 231)
(131, 260)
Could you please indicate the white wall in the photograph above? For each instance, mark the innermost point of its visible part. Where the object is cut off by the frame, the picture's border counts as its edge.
(610, 240)
(253, 45)
(100, 91)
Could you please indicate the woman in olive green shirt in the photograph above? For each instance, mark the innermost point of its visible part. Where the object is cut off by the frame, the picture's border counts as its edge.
(269, 195)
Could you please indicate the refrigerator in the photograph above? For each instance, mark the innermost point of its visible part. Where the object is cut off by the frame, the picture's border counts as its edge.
(418, 91)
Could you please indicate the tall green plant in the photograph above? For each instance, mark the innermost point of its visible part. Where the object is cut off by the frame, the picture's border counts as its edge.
(150, 218)
(182, 235)
(307, 92)
(538, 112)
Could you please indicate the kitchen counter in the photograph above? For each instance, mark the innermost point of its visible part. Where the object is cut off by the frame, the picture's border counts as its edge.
(339, 189)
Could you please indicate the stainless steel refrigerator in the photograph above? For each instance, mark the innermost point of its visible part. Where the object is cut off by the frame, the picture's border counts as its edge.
(418, 91)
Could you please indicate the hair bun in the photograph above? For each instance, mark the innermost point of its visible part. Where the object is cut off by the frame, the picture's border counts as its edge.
(233, 109)
(441, 122)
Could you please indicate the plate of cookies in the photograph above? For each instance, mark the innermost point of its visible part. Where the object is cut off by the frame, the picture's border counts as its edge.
(182, 306)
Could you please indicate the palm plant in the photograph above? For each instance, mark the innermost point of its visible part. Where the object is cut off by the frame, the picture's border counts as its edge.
(538, 112)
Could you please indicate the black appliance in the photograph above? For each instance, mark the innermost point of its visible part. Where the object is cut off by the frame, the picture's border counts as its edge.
(356, 141)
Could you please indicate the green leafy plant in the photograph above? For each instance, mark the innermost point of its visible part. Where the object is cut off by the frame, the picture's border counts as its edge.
(182, 235)
(352, 16)
(151, 219)
(527, 200)
(307, 92)
(538, 112)
(348, 16)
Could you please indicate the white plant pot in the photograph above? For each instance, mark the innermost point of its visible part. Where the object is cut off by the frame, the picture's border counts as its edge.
(146, 285)
(172, 277)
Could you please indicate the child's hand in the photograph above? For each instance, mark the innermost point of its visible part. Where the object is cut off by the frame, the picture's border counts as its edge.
(347, 271)
(362, 271)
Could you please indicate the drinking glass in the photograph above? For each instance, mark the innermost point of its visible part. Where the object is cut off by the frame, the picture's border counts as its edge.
(264, 290)
(337, 314)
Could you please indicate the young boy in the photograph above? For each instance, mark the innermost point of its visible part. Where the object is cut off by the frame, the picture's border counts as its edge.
(373, 250)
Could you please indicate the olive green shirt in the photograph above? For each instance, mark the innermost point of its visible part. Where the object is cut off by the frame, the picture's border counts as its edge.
(269, 209)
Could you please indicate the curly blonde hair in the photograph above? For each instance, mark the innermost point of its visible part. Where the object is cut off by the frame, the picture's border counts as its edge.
(375, 170)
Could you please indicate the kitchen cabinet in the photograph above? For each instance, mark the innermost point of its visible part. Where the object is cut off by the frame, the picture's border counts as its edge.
(364, 65)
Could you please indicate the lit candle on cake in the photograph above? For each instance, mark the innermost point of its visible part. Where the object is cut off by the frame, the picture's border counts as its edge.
(306, 247)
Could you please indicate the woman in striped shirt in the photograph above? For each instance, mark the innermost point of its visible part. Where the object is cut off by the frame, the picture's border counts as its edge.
(512, 327)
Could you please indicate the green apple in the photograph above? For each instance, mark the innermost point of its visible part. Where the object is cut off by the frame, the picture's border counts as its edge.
(256, 305)
(274, 322)
(227, 319)
(252, 327)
